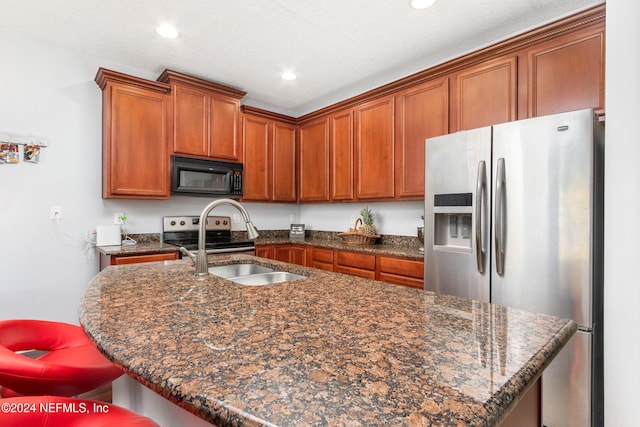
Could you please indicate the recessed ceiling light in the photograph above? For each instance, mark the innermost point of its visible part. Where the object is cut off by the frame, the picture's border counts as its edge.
(422, 4)
(167, 31)
(288, 75)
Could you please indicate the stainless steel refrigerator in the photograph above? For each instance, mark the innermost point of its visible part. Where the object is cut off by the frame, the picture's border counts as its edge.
(514, 216)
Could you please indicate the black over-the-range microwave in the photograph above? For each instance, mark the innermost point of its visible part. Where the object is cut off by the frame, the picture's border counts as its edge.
(204, 177)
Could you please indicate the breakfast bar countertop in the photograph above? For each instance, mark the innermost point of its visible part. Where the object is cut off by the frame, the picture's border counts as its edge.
(331, 349)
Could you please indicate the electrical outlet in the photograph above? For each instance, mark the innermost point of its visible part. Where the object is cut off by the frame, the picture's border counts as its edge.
(56, 212)
(292, 218)
(236, 218)
(117, 217)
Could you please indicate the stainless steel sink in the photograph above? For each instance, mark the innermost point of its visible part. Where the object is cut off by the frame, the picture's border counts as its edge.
(267, 278)
(236, 270)
(253, 274)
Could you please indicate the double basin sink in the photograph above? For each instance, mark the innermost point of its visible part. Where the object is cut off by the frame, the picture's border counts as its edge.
(253, 274)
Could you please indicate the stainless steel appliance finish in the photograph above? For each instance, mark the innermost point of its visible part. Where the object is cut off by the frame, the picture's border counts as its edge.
(531, 237)
(183, 231)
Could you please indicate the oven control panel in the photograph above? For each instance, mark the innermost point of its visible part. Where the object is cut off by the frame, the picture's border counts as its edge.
(192, 223)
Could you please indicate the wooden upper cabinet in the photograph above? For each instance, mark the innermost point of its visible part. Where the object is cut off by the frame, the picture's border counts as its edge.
(257, 148)
(567, 73)
(313, 140)
(284, 162)
(486, 94)
(136, 130)
(269, 158)
(421, 112)
(190, 121)
(206, 117)
(374, 138)
(341, 152)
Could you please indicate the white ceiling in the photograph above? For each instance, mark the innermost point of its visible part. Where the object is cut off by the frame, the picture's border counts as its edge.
(337, 48)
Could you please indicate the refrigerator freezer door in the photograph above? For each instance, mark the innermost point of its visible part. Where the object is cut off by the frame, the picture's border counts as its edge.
(456, 244)
(566, 385)
(547, 215)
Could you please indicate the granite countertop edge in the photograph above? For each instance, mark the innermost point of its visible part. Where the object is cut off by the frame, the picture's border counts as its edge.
(392, 245)
(94, 317)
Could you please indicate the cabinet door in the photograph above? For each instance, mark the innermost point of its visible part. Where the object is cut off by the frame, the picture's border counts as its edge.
(487, 94)
(136, 132)
(292, 254)
(284, 163)
(314, 161)
(375, 149)
(341, 149)
(567, 74)
(257, 178)
(421, 112)
(224, 135)
(264, 252)
(190, 121)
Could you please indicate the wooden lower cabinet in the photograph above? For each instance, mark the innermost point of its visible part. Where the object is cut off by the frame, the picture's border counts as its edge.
(355, 264)
(320, 258)
(264, 251)
(107, 260)
(291, 253)
(400, 271)
(390, 269)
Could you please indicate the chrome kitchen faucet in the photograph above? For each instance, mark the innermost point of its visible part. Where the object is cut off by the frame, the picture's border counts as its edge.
(201, 257)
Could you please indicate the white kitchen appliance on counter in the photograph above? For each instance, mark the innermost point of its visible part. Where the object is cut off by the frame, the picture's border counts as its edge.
(514, 216)
(108, 235)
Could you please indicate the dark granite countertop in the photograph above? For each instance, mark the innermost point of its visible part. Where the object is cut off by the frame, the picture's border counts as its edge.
(404, 246)
(145, 244)
(332, 349)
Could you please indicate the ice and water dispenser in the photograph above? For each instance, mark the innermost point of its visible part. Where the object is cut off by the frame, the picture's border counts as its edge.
(452, 221)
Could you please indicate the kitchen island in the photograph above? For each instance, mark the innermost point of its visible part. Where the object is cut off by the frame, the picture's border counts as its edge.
(331, 349)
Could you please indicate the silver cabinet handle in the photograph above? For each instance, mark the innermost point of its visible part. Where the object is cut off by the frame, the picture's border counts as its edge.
(499, 215)
(480, 186)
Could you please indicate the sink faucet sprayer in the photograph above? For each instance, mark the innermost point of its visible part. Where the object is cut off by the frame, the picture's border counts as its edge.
(201, 258)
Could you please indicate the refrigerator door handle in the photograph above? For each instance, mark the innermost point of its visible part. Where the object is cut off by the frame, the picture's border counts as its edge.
(499, 216)
(480, 186)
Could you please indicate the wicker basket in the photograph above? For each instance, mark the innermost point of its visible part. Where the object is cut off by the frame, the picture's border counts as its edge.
(358, 238)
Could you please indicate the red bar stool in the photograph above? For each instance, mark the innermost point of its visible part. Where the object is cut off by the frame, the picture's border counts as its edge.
(71, 366)
(55, 411)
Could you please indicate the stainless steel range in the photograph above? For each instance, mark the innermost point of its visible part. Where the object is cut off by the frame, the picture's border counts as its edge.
(183, 231)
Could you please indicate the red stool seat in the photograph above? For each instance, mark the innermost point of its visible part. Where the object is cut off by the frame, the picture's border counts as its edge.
(54, 411)
(71, 366)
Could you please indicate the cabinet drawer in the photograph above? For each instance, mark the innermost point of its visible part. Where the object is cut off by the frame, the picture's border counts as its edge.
(367, 274)
(357, 260)
(322, 255)
(401, 267)
(134, 259)
(107, 260)
(402, 280)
